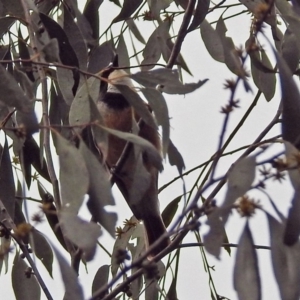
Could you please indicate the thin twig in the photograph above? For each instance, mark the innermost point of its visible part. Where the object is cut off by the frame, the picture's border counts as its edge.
(7, 222)
(181, 33)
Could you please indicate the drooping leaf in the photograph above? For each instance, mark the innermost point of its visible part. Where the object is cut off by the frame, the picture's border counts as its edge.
(51, 214)
(50, 51)
(231, 57)
(128, 8)
(80, 108)
(175, 158)
(290, 104)
(99, 191)
(240, 178)
(73, 290)
(172, 292)
(5, 244)
(101, 279)
(214, 238)
(75, 38)
(99, 136)
(134, 29)
(25, 287)
(24, 54)
(199, 14)
(285, 261)
(212, 41)
(156, 45)
(30, 157)
(152, 153)
(167, 79)
(91, 13)
(122, 51)
(100, 57)
(13, 96)
(159, 106)
(83, 234)
(138, 104)
(292, 229)
(7, 185)
(291, 50)
(170, 211)
(74, 178)
(246, 272)
(67, 79)
(42, 250)
(263, 73)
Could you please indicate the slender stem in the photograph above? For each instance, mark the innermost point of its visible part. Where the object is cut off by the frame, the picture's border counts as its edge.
(181, 33)
(7, 222)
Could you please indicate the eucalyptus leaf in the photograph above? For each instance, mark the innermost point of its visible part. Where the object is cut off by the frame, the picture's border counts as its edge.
(246, 271)
(73, 290)
(25, 287)
(83, 234)
(74, 177)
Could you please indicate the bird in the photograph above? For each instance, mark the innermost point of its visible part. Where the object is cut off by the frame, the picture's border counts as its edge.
(118, 114)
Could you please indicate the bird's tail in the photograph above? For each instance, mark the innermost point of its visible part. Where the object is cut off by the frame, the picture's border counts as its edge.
(155, 228)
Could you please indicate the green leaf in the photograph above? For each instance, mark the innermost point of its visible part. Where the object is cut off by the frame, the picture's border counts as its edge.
(80, 108)
(134, 29)
(91, 13)
(25, 287)
(73, 290)
(156, 44)
(138, 104)
(170, 211)
(100, 57)
(7, 184)
(13, 96)
(101, 279)
(42, 250)
(75, 36)
(264, 79)
(246, 272)
(291, 50)
(99, 191)
(285, 261)
(122, 51)
(212, 41)
(83, 234)
(290, 104)
(175, 158)
(172, 292)
(152, 153)
(51, 214)
(68, 80)
(159, 106)
(167, 79)
(31, 156)
(128, 8)
(74, 177)
(5, 244)
(199, 14)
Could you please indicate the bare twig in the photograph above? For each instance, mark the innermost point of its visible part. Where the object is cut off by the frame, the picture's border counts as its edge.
(7, 222)
(181, 33)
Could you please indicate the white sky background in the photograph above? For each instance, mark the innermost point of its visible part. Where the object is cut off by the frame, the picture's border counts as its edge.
(195, 127)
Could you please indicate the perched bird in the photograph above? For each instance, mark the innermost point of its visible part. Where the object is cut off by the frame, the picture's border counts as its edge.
(118, 114)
